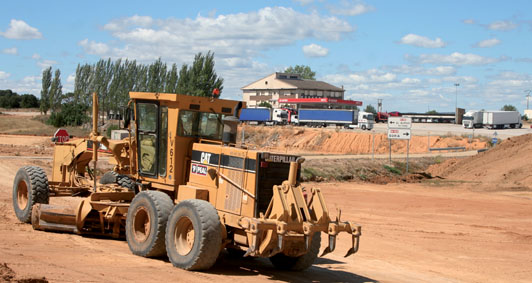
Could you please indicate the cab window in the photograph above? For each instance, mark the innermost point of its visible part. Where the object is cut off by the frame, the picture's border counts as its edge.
(200, 125)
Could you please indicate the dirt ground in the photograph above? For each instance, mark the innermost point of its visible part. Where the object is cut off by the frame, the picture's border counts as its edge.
(473, 226)
(429, 232)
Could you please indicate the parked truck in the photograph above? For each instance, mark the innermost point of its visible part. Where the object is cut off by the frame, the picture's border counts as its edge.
(472, 119)
(381, 117)
(336, 117)
(501, 119)
(265, 116)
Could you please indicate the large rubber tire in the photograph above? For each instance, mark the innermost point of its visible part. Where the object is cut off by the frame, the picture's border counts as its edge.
(111, 177)
(126, 182)
(146, 223)
(30, 187)
(193, 235)
(284, 262)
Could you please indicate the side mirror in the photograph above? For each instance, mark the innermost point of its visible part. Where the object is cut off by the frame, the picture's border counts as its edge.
(127, 117)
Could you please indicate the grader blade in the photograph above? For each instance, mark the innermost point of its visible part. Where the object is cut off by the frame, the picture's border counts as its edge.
(55, 218)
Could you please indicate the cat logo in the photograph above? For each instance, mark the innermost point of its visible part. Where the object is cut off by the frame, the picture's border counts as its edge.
(205, 157)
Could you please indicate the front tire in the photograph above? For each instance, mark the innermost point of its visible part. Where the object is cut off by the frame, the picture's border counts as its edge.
(146, 223)
(30, 187)
(193, 235)
(284, 262)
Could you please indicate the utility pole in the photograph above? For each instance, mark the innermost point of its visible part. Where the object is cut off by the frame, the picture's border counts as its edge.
(456, 104)
(456, 96)
(527, 97)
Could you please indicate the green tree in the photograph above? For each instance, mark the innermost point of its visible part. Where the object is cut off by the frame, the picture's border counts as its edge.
(70, 114)
(55, 96)
(29, 101)
(9, 99)
(265, 104)
(171, 80)
(432, 112)
(304, 71)
(370, 109)
(45, 90)
(508, 107)
(199, 79)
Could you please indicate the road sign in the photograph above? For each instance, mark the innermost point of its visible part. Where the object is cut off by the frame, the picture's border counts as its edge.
(61, 135)
(494, 140)
(399, 122)
(399, 134)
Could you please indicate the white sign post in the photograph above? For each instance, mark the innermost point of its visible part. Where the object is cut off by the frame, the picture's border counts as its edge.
(399, 129)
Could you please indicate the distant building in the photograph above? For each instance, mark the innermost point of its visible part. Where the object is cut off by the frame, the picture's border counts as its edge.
(282, 85)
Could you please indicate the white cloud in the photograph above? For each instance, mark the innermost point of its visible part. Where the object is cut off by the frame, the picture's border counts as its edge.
(502, 25)
(46, 63)
(241, 35)
(420, 70)
(36, 56)
(351, 8)
(304, 2)
(422, 41)
(469, 21)
(237, 40)
(21, 30)
(410, 81)
(136, 20)
(4, 75)
(314, 50)
(11, 51)
(487, 43)
(455, 58)
(94, 48)
(71, 78)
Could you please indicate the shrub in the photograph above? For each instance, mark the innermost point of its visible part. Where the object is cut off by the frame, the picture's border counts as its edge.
(392, 169)
(70, 115)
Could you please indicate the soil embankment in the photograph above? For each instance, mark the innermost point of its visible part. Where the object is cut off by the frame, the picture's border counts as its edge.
(505, 166)
(301, 140)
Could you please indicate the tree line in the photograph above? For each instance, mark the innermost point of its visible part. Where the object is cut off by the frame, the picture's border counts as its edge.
(112, 80)
(10, 99)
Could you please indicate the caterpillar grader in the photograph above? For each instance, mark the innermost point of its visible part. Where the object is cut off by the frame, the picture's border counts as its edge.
(181, 187)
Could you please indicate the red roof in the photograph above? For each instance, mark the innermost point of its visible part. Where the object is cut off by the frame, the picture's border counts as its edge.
(320, 100)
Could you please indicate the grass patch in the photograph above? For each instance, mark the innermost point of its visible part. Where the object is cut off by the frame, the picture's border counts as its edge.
(23, 125)
(391, 169)
(364, 170)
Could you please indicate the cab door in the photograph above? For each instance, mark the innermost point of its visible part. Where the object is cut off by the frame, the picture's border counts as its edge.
(152, 135)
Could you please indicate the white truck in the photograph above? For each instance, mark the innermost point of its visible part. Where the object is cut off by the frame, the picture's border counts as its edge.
(501, 119)
(472, 119)
(364, 121)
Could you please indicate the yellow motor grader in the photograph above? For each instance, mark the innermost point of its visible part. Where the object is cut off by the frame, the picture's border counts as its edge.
(180, 186)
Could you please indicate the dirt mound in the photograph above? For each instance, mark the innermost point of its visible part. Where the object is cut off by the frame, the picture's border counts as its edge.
(8, 275)
(506, 165)
(330, 141)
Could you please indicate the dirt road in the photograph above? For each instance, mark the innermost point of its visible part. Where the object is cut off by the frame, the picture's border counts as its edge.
(411, 233)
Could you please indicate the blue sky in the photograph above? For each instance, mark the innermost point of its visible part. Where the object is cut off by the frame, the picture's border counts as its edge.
(408, 53)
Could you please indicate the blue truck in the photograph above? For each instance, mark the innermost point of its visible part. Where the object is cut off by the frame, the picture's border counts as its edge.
(266, 116)
(336, 117)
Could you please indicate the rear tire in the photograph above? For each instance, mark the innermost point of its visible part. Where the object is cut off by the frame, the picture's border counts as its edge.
(146, 223)
(193, 235)
(284, 262)
(30, 187)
